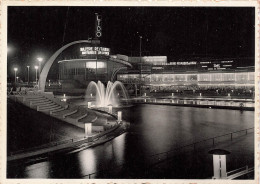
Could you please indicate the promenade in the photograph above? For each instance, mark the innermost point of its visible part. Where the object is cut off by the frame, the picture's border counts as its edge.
(219, 102)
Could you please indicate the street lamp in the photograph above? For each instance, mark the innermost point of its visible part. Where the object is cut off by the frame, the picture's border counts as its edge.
(17, 79)
(140, 64)
(36, 68)
(28, 67)
(40, 59)
(15, 70)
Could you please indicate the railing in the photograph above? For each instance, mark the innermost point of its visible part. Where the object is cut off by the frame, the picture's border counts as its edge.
(200, 102)
(166, 156)
(57, 143)
(211, 142)
(239, 172)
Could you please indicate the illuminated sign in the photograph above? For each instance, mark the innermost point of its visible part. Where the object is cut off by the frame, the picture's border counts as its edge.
(98, 31)
(94, 50)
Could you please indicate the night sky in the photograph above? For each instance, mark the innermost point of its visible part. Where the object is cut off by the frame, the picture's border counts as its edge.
(177, 32)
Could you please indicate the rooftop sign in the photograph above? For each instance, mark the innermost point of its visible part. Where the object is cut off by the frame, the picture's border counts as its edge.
(94, 50)
(98, 28)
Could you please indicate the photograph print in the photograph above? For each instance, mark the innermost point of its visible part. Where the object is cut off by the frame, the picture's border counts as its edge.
(131, 92)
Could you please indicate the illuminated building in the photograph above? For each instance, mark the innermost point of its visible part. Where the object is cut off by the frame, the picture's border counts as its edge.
(157, 73)
(82, 63)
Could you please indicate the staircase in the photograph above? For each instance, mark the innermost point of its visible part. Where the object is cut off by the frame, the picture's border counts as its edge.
(42, 103)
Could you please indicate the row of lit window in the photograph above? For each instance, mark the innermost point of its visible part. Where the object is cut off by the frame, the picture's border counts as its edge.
(245, 76)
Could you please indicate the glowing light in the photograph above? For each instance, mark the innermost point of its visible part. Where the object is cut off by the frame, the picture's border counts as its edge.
(89, 104)
(94, 64)
(40, 59)
(15, 69)
(119, 114)
(110, 109)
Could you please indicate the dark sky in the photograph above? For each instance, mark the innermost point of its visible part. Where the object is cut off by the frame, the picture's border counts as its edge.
(172, 31)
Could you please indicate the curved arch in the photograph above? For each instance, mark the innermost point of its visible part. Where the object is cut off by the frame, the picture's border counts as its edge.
(116, 71)
(48, 64)
(121, 61)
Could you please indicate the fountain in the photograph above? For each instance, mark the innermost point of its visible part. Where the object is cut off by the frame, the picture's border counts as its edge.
(106, 96)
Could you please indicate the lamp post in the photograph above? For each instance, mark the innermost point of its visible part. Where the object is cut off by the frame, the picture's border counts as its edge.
(28, 67)
(40, 59)
(17, 79)
(36, 68)
(15, 70)
(140, 64)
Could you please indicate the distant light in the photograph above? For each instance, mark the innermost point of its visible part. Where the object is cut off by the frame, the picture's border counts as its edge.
(36, 67)
(15, 69)
(28, 66)
(40, 59)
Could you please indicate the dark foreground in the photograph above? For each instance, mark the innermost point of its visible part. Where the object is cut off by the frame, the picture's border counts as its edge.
(154, 129)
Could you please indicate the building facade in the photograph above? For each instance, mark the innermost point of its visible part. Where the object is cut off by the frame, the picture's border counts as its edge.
(155, 73)
(84, 63)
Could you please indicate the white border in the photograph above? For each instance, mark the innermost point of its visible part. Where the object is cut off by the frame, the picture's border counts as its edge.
(188, 3)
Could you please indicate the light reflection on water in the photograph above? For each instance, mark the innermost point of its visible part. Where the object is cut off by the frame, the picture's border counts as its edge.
(154, 129)
(39, 170)
(87, 161)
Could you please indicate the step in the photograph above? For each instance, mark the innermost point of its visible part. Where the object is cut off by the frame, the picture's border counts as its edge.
(34, 98)
(90, 118)
(69, 113)
(47, 105)
(51, 109)
(58, 110)
(46, 108)
(41, 103)
(64, 112)
(78, 114)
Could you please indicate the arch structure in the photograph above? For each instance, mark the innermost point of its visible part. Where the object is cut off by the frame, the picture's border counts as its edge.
(121, 61)
(48, 64)
(115, 71)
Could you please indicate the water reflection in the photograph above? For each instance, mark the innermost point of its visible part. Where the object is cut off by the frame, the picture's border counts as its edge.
(154, 129)
(39, 170)
(87, 161)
